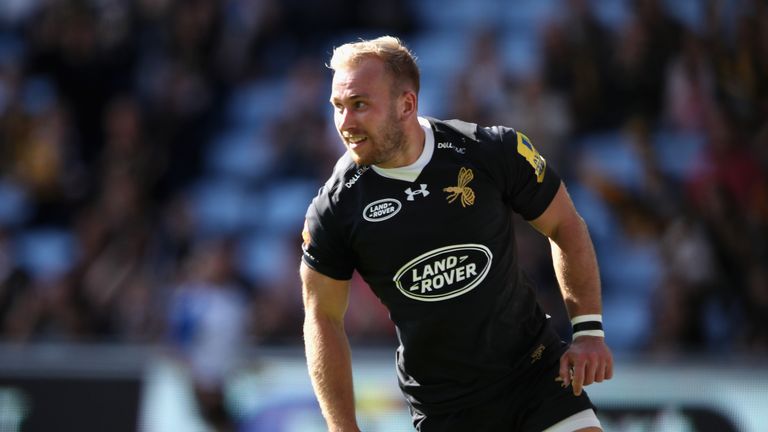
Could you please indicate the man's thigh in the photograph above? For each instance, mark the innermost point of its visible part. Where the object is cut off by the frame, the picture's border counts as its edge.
(536, 403)
(584, 421)
(551, 403)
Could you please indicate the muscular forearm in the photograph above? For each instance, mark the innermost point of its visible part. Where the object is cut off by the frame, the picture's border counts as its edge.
(329, 362)
(588, 359)
(575, 265)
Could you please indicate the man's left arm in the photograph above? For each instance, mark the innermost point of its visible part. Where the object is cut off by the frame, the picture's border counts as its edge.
(588, 359)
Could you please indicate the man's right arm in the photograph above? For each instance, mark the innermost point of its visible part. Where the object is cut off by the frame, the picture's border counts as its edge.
(327, 348)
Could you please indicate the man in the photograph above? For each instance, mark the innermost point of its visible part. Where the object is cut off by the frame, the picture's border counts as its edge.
(422, 209)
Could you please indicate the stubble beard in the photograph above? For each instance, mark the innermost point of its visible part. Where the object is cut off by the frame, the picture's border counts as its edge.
(388, 143)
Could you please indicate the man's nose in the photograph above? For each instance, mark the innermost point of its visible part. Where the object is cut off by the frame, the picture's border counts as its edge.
(345, 119)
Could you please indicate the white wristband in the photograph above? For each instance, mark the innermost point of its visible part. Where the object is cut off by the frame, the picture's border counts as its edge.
(598, 333)
(584, 318)
(587, 325)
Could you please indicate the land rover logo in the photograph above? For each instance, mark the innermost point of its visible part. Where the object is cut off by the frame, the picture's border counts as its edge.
(444, 273)
(382, 209)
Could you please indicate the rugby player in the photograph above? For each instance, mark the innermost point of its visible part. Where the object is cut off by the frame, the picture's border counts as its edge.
(423, 209)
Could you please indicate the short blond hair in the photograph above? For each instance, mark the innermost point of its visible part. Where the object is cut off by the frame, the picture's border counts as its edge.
(398, 60)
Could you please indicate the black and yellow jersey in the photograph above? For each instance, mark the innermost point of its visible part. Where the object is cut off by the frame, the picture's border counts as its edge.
(439, 251)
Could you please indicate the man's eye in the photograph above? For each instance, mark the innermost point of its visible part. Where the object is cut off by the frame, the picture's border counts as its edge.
(338, 107)
(359, 105)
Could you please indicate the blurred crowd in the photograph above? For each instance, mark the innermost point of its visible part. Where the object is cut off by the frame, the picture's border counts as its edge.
(157, 157)
(659, 123)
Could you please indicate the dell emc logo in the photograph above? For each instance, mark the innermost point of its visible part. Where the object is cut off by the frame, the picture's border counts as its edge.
(411, 193)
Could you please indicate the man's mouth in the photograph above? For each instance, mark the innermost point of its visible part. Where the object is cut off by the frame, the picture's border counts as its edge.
(354, 139)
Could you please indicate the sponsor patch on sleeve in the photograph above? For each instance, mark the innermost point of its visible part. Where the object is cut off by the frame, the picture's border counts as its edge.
(305, 235)
(526, 150)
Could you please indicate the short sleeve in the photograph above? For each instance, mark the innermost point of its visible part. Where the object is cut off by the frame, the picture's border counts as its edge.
(532, 184)
(323, 245)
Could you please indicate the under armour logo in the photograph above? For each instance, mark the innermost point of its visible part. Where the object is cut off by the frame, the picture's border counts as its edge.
(411, 193)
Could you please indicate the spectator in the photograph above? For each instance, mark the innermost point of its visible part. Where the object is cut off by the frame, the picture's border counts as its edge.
(108, 109)
(208, 325)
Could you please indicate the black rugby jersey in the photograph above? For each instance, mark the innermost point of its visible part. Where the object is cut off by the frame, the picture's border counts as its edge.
(440, 254)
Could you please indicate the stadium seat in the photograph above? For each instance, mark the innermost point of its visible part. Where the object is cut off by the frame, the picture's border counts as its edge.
(46, 252)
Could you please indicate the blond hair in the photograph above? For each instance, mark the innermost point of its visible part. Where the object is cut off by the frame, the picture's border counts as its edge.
(398, 60)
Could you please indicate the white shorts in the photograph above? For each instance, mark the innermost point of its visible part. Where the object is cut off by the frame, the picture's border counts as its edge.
(580, 420)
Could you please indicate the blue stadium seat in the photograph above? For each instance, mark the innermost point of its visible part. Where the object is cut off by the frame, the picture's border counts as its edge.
(628, 322)
(254, 103)
(690, 13)
(459, 15)
(601, 220)
(14, 204)
(241, 153)
(265, 257)
(677, 152)
(520, 48)
(630, 266)
(46, 252)
(529, 12)
(285, 204)
(219, 206)
(612, 156)
(612, 13)
(441, 55)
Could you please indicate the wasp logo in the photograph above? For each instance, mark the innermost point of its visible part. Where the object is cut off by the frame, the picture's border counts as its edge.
(462, 190)
(537, 353)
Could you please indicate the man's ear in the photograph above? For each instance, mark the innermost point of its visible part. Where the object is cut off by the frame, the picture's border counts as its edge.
(408, 104)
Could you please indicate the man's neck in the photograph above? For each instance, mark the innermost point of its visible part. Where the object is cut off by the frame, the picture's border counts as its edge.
(412, 148)
(414, 142)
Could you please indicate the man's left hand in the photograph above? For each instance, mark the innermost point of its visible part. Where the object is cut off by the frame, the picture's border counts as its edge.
(587, 360)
